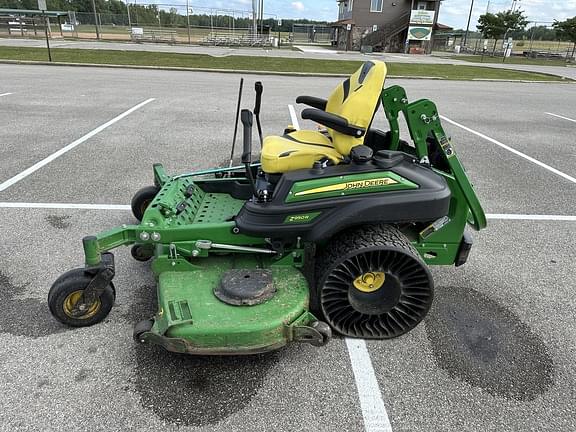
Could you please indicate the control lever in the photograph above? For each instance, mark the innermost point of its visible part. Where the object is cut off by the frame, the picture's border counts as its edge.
(259, 89)
(247, 120)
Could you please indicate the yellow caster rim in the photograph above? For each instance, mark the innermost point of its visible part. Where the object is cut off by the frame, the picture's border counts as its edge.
(72, 299)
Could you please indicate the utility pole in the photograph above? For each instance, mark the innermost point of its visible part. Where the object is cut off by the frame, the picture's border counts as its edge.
(128, 10)
(488, 7)
(468, 26)
(261, 17)
(254, 18)
(188, 18)
(96, 20)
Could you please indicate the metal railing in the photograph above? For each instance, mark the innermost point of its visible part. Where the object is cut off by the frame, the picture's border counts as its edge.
(382, 36)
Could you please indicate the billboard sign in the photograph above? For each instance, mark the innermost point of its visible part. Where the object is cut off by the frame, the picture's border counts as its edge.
(422, 17)
(419, 33)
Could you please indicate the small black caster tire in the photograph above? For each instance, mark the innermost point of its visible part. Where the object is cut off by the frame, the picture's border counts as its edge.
(141, 328)
(67, 291)
(142, 253)
(142, 199)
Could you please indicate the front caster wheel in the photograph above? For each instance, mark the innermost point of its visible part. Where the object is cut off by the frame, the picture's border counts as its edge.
(142, 200)
(66, 297)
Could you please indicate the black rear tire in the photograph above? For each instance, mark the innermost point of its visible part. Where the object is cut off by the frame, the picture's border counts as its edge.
(371, 283)
(142, 200)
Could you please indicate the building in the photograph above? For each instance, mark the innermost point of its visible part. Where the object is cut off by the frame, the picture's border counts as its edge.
(386, 25)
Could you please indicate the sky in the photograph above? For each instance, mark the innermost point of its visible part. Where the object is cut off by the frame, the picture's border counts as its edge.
(453, 12)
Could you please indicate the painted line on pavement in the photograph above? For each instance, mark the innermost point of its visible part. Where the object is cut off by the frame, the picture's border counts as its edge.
(24, 205)
(512, 150)
(293, 117)
(560, 218)
(122, 207)
(371, 402)
(69, 147)
(5, 94)
(561, 117)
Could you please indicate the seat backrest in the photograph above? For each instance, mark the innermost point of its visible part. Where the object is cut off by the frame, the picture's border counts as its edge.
(356, 99)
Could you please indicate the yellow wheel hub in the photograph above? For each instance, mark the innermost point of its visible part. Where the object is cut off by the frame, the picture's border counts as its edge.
(75, 297)
(370, 282)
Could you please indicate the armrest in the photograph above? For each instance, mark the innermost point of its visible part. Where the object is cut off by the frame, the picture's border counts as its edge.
(333, 121)
(312, 101)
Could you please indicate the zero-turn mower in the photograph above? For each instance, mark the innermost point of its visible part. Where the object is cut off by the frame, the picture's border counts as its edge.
(329, 230)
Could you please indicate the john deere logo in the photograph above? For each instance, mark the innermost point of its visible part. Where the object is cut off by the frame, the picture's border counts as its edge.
(370, 183)
(360, 184)
(347, 185)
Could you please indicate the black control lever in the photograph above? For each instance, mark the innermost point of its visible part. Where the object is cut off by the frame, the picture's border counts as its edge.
(247, 120)
(259, 90)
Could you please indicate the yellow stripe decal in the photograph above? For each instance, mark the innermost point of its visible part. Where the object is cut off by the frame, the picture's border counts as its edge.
(361, 184)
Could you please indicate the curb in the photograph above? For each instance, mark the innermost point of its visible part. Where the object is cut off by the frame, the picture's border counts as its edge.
(254, 72)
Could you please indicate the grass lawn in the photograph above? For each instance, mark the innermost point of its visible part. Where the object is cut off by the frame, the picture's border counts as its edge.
(277, 64)
(512, 60)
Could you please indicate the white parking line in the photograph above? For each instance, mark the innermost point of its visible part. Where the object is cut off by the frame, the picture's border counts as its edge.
(69, 147)
(373, 409)
(293, 117)
(122, 207)
(510, 149)
(5, 94)
(64, 206)
(562, 117)
(560, 218)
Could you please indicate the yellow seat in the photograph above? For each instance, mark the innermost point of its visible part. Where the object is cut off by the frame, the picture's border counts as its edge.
(296, 150)
(356, 99)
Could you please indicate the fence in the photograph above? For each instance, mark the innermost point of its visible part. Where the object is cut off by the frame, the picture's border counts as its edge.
(311, 34)
(206, 26)
(552, 50)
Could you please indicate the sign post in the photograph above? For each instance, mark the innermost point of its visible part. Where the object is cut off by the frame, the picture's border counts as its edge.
(42, 7)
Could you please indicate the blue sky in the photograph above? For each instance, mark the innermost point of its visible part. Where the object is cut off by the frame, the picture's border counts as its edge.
(452, 12)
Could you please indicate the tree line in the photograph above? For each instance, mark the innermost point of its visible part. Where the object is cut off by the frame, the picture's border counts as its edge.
(149, 14)
(513, 24)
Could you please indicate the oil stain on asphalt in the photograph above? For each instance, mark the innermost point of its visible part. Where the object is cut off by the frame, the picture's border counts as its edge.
(192, 390)
(198, 391)
(24, 316)
(58, 222)
(479, 341)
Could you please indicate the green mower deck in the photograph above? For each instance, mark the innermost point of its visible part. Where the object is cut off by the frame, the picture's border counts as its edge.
(192, 320)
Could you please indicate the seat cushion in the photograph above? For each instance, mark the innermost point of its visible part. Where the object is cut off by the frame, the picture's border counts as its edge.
(296, 150)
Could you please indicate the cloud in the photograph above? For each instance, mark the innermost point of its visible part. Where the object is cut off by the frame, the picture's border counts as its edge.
(455, 12)
(298, 5)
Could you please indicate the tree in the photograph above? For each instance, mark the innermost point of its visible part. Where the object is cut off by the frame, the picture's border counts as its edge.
(567, 30)
(498, 25)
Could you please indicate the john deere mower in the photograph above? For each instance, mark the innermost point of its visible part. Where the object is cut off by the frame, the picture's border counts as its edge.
(328, 230)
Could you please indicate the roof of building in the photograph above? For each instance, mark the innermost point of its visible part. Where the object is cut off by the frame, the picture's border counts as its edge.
(444, 27)
(32, 12)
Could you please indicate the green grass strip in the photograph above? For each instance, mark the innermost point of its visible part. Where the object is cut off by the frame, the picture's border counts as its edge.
(264, 64)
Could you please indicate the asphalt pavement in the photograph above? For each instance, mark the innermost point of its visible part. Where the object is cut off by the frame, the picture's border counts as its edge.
(495, 353)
